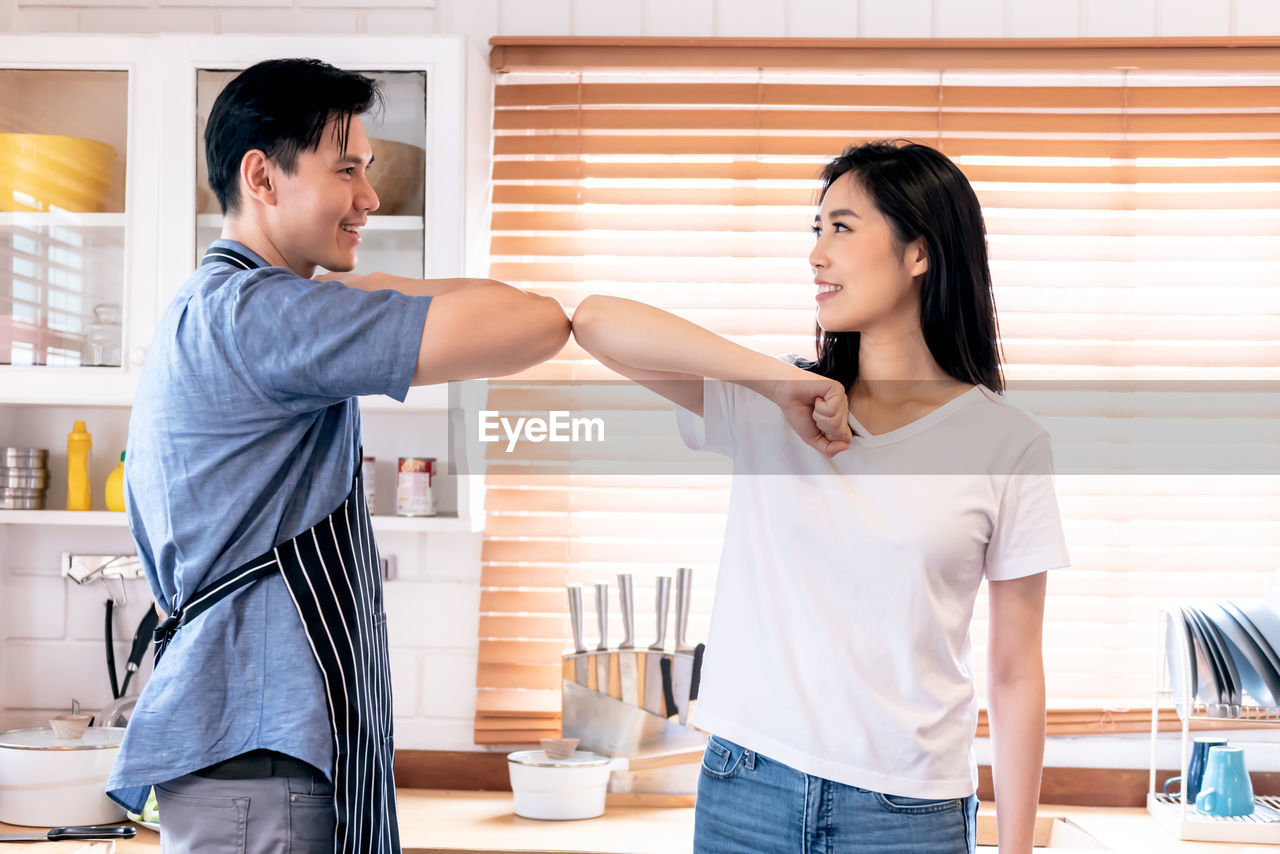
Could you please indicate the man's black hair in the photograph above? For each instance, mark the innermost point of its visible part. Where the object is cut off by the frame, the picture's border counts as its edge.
(280, 107)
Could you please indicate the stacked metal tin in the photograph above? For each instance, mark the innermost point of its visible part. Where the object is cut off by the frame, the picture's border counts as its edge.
(24, 478)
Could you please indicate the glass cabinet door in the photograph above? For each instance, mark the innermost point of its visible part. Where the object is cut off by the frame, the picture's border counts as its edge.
(62, 216)
(394, 240)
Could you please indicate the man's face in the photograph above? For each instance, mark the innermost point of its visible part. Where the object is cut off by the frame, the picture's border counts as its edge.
(321, 207)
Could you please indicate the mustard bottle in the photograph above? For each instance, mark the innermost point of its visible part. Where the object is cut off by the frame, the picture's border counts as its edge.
(79, 446)
(115, 487)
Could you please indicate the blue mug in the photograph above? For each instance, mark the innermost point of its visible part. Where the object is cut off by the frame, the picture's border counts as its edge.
(1226, 790)
(1195, 768)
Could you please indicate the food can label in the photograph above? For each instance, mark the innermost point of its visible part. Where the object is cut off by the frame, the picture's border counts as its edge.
(413, 487)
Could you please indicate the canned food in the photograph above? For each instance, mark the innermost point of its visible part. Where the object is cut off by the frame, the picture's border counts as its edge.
(413, 486)
(366, 475)
(24, 458)
(8, 492)
(18, 503)
(18, 478)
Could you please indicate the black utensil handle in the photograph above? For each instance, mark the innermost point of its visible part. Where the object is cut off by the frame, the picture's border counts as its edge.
(111, 831)
(696, 679)
(668, 695)
(111, 651)
(141, 643)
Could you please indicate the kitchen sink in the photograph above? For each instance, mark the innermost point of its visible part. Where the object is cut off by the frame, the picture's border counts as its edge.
(1052, 831)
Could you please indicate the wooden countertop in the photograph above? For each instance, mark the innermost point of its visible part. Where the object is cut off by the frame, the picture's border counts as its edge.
(448, 822)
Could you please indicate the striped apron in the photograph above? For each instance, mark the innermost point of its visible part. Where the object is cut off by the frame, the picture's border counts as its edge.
(333, 574)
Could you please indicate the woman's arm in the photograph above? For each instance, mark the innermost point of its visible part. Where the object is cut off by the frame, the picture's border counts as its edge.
(1015, 705)
(670, 355)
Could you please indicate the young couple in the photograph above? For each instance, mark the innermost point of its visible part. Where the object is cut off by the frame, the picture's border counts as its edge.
(838, 681)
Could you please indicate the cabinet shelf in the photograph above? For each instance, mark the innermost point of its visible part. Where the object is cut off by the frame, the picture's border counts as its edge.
(108, 519)
(32, 219)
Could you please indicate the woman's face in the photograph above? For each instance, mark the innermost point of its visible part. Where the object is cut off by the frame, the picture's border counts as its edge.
(864, 277)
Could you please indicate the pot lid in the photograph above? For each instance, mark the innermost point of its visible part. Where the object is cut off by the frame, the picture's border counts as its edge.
(44, 738)
(539, 758)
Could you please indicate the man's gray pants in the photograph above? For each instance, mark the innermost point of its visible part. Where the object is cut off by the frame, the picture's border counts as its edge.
(270, 815)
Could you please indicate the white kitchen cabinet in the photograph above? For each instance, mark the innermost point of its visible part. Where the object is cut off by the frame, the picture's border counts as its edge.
(148, 96)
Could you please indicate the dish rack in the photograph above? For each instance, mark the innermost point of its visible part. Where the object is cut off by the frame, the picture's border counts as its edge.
(1178, 816)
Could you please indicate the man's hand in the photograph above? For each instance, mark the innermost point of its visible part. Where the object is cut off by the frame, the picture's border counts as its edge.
(817, 409)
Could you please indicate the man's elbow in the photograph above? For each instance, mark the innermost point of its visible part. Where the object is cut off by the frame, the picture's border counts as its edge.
(543, 329)
(550, 324)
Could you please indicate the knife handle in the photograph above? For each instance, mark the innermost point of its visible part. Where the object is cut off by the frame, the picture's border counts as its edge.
(118, 831)
(575, 616)
(695, 681)
(662, 601)
(684, 591)
(668, 693)
(628, 611)
(602, 613)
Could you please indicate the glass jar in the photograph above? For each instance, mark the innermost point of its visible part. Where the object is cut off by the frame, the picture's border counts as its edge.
(102, 340)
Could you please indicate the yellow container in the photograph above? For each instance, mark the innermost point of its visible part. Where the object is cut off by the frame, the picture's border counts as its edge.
(42, 172)
(79, 446)
(115, 487)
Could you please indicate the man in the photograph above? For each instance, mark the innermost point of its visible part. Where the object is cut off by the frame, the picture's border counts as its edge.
(266, 724)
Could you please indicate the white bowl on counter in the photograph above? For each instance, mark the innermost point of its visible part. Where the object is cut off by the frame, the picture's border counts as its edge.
(46, 781)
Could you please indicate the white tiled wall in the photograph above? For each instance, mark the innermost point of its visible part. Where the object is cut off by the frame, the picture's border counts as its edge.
(51, 630)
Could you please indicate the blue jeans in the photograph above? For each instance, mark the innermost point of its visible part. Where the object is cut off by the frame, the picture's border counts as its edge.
(750, 804)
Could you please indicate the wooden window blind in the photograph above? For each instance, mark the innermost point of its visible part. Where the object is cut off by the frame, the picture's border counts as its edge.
(1132, 202)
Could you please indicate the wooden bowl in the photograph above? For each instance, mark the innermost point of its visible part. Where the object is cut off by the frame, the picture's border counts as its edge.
(397, 175)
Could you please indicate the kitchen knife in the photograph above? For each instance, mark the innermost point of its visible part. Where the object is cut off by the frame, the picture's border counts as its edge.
(626, 649)
(682, 661)
(581, 666)
(112, 831)
(602, 648)
(653, 699)
(696, 682)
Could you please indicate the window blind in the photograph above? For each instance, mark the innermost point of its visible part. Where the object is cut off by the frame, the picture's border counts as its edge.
(1132, 203)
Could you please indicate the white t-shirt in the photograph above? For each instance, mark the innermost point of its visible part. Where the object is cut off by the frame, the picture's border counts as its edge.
(839, 640)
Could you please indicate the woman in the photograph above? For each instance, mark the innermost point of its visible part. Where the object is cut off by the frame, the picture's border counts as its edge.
(838, 683)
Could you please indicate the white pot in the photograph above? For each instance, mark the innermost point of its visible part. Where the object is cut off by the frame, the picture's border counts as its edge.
(559, 788)
(575, 787)
(46, 781)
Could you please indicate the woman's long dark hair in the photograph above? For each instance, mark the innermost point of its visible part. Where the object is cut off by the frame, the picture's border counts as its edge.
(923, 194)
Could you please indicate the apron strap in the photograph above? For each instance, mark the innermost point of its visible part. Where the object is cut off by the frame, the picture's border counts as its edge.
(208, 596)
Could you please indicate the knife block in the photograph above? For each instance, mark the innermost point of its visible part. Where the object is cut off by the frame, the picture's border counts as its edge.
(612, 728)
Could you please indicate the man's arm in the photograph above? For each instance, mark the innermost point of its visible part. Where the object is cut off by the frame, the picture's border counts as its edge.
(475, 327)
(406, 286)
(484, 328)
(1016, 704)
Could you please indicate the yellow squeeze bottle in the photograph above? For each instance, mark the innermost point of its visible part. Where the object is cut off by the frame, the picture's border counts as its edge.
(79, 445)
(115, 487)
